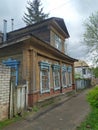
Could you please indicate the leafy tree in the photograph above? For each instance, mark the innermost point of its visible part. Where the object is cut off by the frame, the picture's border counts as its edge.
(95, 72)
(35, 13)
(91, 35)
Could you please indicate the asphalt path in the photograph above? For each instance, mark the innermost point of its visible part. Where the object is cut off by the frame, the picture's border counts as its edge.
(66, 115)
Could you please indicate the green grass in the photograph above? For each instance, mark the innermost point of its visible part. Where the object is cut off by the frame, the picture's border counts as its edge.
(91, 122)
(35, 109)
(9, 121)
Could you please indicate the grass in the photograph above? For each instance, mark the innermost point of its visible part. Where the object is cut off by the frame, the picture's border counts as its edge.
(18, 118)
(91, 122)
(35, 109)
(7, 122)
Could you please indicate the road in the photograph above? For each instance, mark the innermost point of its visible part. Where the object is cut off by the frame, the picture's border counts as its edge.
(63, 116)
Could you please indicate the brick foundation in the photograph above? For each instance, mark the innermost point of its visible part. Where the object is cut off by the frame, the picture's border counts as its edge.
(37, 96)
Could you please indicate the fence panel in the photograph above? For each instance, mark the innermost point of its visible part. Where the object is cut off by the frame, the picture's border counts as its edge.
(83, 83)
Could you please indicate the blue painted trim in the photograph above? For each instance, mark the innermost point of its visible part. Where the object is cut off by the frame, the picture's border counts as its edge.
(56, 67)
(69, 69)
(64, 68)
(44, 65)
(13, 64)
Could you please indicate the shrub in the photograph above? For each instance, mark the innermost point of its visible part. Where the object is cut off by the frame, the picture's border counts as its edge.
(92, 97)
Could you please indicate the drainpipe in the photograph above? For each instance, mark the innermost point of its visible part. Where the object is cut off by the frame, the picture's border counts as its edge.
(5, 30)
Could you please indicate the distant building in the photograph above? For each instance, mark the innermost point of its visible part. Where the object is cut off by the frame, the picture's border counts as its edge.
(83, 75)
(82, 69)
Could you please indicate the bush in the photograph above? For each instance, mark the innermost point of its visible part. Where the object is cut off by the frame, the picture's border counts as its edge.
(92, 97)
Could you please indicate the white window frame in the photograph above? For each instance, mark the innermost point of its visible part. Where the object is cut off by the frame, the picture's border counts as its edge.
(56, 68)
(56, 87)
(58, 42)
(44, 66)
(69, 76)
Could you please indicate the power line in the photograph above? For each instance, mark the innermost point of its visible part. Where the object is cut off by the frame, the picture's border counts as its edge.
(65, 3)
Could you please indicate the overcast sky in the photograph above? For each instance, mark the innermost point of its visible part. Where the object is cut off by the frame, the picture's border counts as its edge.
(74, 13)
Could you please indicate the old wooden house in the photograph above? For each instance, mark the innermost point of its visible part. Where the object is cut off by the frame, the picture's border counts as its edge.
(36, 54)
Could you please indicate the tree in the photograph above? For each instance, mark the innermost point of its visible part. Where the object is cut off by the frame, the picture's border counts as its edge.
(91, 35)
(35, 13)
(95, 71)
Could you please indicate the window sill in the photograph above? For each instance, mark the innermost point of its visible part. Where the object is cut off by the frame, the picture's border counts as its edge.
(46, 91)
(57, 88)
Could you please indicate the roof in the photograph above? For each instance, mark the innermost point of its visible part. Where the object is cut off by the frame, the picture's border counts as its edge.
(42, 44)
(80, 63)
(28, 32)
(58, 22)
(61, 22)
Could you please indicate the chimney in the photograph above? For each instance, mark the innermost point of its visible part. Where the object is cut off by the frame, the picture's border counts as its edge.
(12, 23)
(1, 37)
(5, 31)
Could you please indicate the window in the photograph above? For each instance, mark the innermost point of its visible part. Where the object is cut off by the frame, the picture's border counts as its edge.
(83, 71)
(44, 77)
(56, 76)
(69, 76)
(58, 42)
(64, 76)
(14, 64)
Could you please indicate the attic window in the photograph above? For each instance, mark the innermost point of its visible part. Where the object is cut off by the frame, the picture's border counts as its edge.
(58, 42)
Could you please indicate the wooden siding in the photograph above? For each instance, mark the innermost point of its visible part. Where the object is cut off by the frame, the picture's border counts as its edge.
(30, 52)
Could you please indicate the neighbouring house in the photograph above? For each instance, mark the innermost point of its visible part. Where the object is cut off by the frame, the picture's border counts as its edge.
(36, 54)
(83, 74)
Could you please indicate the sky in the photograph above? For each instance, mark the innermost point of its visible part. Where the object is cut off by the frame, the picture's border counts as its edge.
(74, 13)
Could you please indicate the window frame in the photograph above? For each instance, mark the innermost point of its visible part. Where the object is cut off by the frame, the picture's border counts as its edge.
(56, 68)
(44, 66)
(58, 42)
(69, 70)
(84, 71)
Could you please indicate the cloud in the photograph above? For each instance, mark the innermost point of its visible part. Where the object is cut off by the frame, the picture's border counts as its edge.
(74, 13)
(12, 9)
(85, 7)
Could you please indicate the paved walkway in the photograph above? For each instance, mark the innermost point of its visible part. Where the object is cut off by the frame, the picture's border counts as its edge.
(62, 116)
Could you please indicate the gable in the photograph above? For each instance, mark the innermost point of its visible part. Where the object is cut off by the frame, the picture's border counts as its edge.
(38, 29)
(62, 25)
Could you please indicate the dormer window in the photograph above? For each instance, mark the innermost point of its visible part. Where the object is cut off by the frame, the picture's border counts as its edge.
(58, 42)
